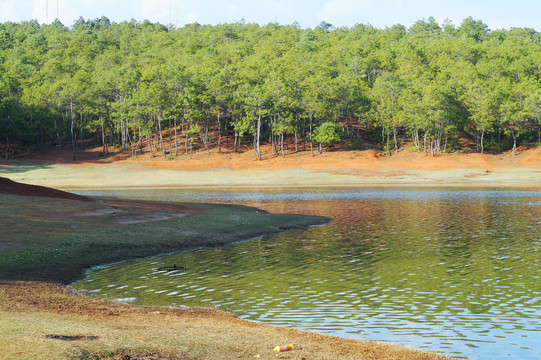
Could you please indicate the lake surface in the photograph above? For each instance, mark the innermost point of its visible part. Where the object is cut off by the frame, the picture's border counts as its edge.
(452, 271)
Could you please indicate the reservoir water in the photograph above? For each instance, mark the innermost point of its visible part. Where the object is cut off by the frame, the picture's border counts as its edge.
(446, 270)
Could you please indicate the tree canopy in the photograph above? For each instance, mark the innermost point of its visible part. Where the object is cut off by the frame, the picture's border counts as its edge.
(124, 83)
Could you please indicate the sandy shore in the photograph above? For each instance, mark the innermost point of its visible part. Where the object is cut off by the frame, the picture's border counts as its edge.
(350, 168)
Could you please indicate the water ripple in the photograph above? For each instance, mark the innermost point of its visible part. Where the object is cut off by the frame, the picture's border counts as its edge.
(455, 271)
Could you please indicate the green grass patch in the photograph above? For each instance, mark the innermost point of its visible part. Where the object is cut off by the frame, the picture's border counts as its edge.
(55, 240)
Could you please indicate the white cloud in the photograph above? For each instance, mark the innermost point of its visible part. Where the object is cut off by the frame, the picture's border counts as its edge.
(39, 11)
(9, 10)
(191, 17)
(343, 11)
(68, 11)
(233, 11)
(155, 10)
(279, 5)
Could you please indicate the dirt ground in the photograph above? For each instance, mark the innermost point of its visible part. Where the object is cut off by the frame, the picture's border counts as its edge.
(330, 159)
(332, 167)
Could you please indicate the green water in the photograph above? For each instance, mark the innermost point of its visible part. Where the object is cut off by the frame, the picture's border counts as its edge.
(451, 271)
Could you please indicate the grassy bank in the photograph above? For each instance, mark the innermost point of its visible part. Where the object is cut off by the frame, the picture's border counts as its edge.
(48, 241)
(55, 239)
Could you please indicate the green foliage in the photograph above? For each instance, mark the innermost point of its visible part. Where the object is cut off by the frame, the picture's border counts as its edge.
(327, 133)
(121, 82)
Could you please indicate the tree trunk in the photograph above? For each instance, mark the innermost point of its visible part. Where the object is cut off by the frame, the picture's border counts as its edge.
(186, 144)
(219, 134)
(129, 141)
(206, 133)
(482, 145)
(104, 143)
(383, 135)
(161, 135)
(296, 130)
(514, 142)
(258, 135)
(311, 145)
(303, 133)
(71, 129)
(150, 144)
(176, 138)
(277, 141)
(170, 140)
(81, 130)
(121, 134)
(204, 142)
(226, 131)
(8, 146)
(255, 146)
(59, 127)
(445, 146)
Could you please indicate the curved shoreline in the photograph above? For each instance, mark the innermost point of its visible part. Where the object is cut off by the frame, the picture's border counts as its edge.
(31, 310)
(34, 301)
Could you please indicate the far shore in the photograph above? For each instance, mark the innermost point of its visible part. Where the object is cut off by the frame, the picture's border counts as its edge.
(340, 168)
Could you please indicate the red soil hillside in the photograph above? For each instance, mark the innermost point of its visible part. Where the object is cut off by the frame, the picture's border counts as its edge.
(333, 160)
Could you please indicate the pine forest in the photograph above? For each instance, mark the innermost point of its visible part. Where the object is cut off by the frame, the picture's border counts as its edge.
(147, 87)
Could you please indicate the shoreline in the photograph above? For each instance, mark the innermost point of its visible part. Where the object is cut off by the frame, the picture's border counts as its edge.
(363, 168)
(349, 186)
(105, 265)
(126, 176)
(37, 310)
(163, 332)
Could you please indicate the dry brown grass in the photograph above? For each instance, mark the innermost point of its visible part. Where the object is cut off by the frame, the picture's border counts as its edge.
(32, 310)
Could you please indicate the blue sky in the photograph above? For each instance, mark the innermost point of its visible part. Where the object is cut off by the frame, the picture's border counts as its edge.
(496, 14)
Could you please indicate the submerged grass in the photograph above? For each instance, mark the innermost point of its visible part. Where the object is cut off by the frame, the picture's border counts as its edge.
(55, 239)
